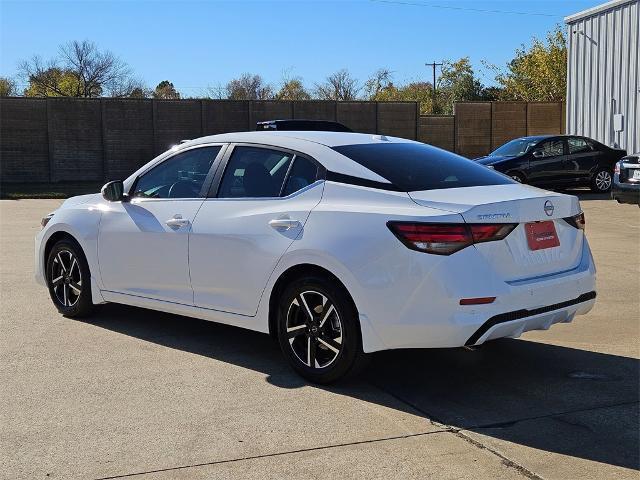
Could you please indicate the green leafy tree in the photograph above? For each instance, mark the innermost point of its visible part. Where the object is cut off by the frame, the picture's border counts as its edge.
(292, 89)
(457, 83)
(249, 87)
(7, 87)
(165, 90)
(54, 82)
(537, 73)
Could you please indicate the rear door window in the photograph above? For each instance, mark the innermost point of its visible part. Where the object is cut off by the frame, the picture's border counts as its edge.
(254, 172)
(413, 167)
(578, 145)
(303, 173)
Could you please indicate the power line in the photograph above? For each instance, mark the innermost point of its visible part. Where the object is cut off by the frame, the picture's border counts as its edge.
(468, 9)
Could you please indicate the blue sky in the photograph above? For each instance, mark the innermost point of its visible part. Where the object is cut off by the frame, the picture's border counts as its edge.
(201, 44)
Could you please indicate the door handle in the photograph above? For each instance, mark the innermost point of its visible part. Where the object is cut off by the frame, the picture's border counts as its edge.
(177, 221)
(284, 223)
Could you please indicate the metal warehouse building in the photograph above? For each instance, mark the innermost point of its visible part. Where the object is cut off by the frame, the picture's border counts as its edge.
(602, 75)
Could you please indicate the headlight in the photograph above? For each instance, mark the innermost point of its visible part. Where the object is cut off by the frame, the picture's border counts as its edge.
(45, 219)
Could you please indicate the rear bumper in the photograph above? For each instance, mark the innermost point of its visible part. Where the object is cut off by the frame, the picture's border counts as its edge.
(513, 324)
(625, 192)
(432, 316)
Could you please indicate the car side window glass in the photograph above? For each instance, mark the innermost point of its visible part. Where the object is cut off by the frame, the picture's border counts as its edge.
(254, 172)
(552, 148)
(578, 145)
(180, 176)
(303, 173)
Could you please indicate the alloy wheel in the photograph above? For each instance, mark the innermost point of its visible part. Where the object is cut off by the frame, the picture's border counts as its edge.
(603, 180)
(314, 329)
(66, 278)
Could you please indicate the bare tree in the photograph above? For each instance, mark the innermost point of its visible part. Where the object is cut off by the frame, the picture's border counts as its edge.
(338, 86)
(217, 92)
(249, 87)
(79, 70)
(132, 88)
(380, 81)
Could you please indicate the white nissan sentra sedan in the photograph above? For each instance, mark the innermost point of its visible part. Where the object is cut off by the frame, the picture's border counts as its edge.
(338, 244)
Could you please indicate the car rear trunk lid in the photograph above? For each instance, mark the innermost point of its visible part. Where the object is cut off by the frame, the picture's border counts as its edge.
(512, 257)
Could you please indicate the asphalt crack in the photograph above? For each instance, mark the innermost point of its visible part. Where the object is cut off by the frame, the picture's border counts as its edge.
(458, 431)
(276, 454)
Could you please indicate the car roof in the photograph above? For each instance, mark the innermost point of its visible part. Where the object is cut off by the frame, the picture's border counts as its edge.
(536, 137)
(329, 139)
(317, 144)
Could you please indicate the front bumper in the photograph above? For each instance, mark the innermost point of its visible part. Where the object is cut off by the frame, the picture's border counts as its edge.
(39, 259)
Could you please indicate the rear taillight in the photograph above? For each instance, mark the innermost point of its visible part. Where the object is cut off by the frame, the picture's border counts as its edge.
(490, 232)
(447, 238)
(577, 221)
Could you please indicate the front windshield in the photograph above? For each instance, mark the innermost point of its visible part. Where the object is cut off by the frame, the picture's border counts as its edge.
(514, 148)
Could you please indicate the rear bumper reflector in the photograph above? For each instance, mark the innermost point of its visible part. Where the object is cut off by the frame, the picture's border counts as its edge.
(477, 301)
(520, 314)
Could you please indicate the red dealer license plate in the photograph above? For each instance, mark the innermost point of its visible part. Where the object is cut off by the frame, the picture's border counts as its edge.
(541, 235)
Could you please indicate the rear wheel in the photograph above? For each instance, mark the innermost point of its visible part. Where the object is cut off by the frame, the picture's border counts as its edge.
(68, 279)
(318, 330)
(601, 181)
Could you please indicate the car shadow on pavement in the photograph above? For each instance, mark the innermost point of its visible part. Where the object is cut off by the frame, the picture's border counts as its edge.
(552, 398)
(584, 195)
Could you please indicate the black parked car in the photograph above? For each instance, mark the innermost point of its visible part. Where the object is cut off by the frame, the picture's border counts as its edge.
(626, 180)
(556, 161)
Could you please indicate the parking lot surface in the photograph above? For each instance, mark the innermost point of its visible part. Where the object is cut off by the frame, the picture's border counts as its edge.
(139, 394)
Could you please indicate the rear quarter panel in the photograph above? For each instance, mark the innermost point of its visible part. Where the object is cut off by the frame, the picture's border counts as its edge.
(347, 235)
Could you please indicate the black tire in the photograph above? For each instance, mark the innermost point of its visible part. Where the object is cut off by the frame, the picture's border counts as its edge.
(518, 177)
(340, 331)
(602, 180)
(69, 279)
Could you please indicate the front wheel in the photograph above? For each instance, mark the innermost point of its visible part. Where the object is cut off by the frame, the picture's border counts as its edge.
(601, 181)
(516, 176)
(318, 330)
(69, 280)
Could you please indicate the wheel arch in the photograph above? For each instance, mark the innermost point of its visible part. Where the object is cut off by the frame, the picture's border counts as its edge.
(55, 238)
(290, 274)
(518, 171)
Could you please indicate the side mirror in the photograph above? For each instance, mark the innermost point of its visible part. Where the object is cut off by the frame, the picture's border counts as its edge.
(538, 153)
(113, 191)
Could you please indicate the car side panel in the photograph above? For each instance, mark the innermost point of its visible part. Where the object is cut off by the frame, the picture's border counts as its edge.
(347, 235)
(519, 165)
(233, 248)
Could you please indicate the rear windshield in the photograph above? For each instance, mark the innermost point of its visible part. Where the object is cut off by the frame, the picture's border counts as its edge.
(415, 166)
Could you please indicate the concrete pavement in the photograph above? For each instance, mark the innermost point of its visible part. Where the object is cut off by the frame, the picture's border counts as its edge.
(149, 395)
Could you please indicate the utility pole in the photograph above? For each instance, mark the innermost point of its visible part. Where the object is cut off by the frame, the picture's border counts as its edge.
(434, 65)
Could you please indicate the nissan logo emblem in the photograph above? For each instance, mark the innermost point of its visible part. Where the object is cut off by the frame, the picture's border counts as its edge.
(548, 208)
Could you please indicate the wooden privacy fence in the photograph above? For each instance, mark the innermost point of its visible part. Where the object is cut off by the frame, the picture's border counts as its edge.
(91, 140)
